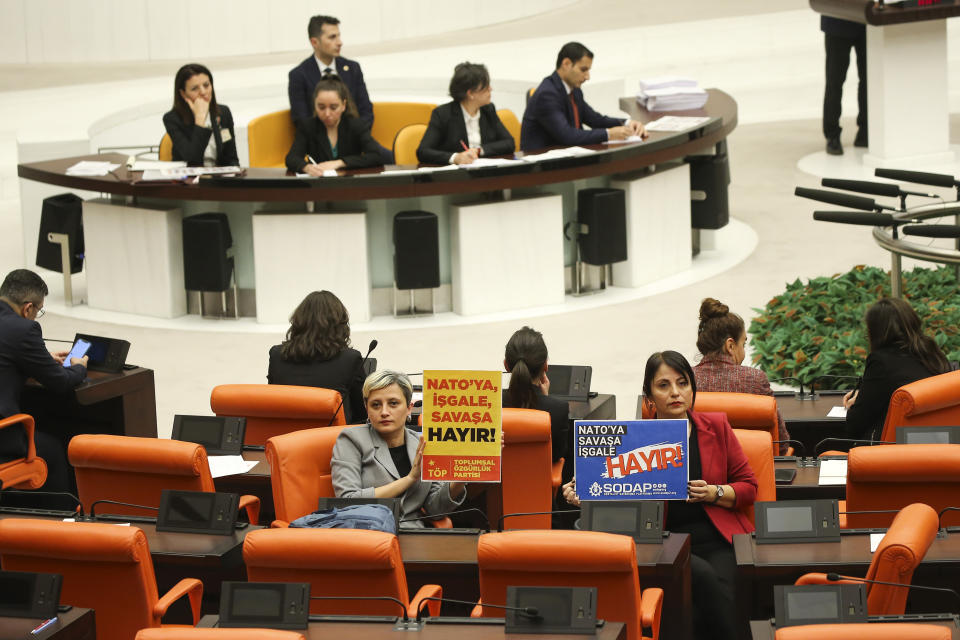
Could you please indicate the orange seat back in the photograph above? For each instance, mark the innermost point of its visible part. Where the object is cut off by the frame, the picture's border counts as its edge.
(563, 559)
(756, 446)
(29, 472)
(300, 470)
(930, 402)
(269, 139)
(104, 567)
(884, 477)
(744, 411)
(135, 470)
(192, 633)
(165, 151)
(406, 143)
(509, 120)
(274, 409)
(390, 117)
(336, 562)
(865, 631)
(897, 556)
(526, 468)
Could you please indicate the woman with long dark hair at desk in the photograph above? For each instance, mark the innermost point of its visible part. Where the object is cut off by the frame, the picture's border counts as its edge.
(201, 129)
(334, 138)
(721, 484)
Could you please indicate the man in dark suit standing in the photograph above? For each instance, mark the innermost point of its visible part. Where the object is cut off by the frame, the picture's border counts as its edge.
(839, 36)
(556, 112)
(23, 355)
(324, 33)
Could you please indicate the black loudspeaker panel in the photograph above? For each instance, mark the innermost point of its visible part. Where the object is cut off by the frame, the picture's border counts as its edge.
(416, 246)
(206, 266)
(711, 174)
(61, 214)
(604, 212)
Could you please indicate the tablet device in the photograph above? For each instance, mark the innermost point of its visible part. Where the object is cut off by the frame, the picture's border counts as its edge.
(570, 382)
(198, 512)
(25, 594)
(271, 605)
(560, 610)
(928, 435)
(80, 348)
(642, 520)
(105, 354)
(797, 521)
(819, 604)
(219, 435)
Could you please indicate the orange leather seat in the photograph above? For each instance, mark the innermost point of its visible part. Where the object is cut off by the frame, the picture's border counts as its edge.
(137, 470)
(509, 120)
(104, 567)
(406, 143)
(272, 409)
(933, 402)
(865, 631)
(165, 150)
(526, 470)
(23, 473)
(390, 117)
(901, 550)
(893, 476)
(300, 471)
(337, 562)
(570, 559)
(188, 633)
(269, 138)
(756, 446)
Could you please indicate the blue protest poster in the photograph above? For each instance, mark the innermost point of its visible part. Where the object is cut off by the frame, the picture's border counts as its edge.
(631, 459)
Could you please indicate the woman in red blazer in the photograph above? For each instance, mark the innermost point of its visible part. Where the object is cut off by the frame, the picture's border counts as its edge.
(721, 484)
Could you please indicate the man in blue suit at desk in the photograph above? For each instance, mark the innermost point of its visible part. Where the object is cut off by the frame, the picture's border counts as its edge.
(556, 112)
(324, 32)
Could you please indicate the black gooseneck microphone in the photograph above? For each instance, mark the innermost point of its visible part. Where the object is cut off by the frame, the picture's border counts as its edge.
(943, 511)
(816, 448)
(875, 188)
(932, 230)
(852, 217)
(803, 448)
(403, 607)
(373, 345)
(841, 199)
(918, 177)
(451, 513)
(528, 612)
(531, 513)
(836, 577)
(93, 506)
(33, 492)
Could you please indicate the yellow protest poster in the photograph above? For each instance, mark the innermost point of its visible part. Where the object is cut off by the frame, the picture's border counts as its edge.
(461, 426)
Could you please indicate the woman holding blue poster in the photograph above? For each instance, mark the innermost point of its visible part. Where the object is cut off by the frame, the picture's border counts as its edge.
(712, 513)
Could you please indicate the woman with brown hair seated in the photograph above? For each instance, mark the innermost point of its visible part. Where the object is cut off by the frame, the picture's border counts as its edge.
(200, 129)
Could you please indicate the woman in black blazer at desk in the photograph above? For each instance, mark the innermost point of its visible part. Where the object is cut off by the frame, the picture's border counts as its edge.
(201, 130)
(334, 138)
(317, 353)
(467, 128)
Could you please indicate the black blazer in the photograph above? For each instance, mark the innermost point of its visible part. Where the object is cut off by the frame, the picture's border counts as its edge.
(190, 140)
(355, 146)
(886, 370)
(23, 355)
(559, 412)
(447, 128)
(303, 78)
(341, 373)
(548, 118)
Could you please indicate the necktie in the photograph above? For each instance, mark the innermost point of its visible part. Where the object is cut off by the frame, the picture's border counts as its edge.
(576, 111)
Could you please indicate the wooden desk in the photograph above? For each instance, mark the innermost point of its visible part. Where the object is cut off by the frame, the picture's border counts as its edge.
(76, 624)
(760, 567)
(439, 631)
(806, 484)
(765, 630)
(451, 561)
(807, 420)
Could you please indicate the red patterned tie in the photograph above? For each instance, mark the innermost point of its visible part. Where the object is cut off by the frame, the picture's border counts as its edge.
(576, 111)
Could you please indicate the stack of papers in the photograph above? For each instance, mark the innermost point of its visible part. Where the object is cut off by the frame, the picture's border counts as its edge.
(676, 123)
(671, 94)
(146, 165)
(91, 168)
(482, 163)
(554, 154)
(180, 173)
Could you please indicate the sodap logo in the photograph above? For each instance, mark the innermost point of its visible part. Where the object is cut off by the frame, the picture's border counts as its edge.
(595, 489)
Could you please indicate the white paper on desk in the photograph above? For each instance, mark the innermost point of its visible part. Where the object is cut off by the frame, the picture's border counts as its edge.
(626, 140)
(119, 524)
(229, 465)
(837, 412)
(446, 167)
(145, 165)
(675, 123)
(91, 168)
(833, 472)
(875, 539)
(481, 163)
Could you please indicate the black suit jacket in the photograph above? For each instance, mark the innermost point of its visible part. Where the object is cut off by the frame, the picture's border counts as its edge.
(355, 146)
(548, 118)
(303, 78)
(886, 370)
(447, 128)
(341, 373)
(23, 355)
(559, 412)
(190, 140)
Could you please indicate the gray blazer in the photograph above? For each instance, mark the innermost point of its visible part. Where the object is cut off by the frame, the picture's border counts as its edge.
(361, 462)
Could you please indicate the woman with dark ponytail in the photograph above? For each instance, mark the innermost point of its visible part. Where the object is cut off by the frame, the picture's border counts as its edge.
(900, 353)
(525, 358)
(722, 340)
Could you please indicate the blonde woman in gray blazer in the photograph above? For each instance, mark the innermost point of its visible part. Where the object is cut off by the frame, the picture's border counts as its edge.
(382, 459)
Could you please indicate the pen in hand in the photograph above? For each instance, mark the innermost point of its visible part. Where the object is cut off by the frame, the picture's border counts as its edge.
(312, 161)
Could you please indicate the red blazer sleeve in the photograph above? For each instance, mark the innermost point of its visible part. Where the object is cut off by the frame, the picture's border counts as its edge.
(739, 474)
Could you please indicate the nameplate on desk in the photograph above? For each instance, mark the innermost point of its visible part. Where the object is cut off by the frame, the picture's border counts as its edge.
(640, 519)
(819, 604)
(198, 512)
(25, 594)
(271, 605)
(797, 521)
(219, 435)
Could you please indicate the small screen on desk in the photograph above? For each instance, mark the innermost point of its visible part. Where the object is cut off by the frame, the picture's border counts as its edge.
(16, 590)
(556, 605)
(817, 605)
(927, 436)
(259, 603)
(784, 519)
(202, 430)
(615, 519)
(560, 380)
(191, 509)
(97, 353)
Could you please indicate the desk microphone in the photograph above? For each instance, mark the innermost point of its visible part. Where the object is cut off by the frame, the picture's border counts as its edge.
(870, 511)
(943, 511)
(836, 577)
(78, 510)
(403, 607)
(797, 380)
(841, 199)
(918, 177)
(527, 612)
(876, 189)
(932, 230)
(816, 448)
(531, 513)
(57, 340)
(451, 513)
(803, 449)
(373, 345)
(93, 506)
(851, 217)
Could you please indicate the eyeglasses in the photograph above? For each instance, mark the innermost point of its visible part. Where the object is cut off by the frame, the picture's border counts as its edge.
(40, 313)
